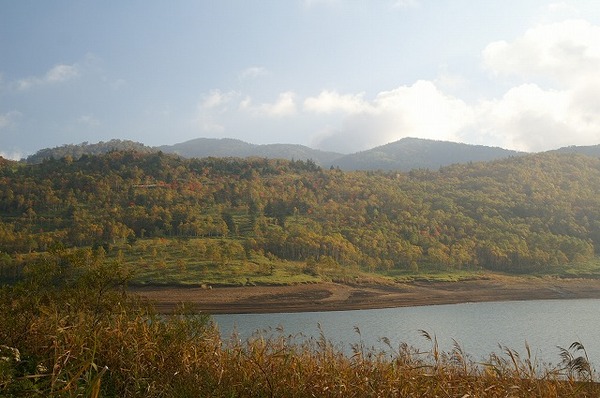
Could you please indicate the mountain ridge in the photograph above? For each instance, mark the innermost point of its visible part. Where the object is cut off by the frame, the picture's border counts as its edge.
(230, 147)
(402, 155)
(414, 153)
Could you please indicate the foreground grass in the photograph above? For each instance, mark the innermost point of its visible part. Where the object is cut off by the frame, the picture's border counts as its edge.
(68, 330)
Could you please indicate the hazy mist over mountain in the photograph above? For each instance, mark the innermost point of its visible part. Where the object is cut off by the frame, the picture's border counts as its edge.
(402, 155)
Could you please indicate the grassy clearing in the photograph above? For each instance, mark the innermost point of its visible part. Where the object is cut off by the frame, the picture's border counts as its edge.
(225, 262)
(586, 269)
(235, 273)
(75, 333)
(221, 261)
(436, 275)
(196, 262)
(199, 261)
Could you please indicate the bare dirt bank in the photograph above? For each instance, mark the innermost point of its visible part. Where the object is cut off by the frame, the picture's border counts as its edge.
(337, 297)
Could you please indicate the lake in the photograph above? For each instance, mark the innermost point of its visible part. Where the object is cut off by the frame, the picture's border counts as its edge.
(478, 327)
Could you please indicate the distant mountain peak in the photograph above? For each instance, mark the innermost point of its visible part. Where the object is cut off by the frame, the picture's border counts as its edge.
(413, 153)
(77, 150)
(230, 147)
(589, 150)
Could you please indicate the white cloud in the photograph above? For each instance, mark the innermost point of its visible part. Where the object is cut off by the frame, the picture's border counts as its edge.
(58, 74)
(218, 99)
(566, 51)
(420, 110)
(331, 101)
(527, 117)
(252, 72)
(530, 118)
(284, 106)
(26, 84)
(425, 109)
(61, 73)
(212, 106)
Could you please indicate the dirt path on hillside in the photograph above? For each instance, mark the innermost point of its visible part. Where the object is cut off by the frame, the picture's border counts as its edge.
(336, 297)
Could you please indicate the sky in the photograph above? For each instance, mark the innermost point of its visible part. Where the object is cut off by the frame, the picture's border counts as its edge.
(337, 75)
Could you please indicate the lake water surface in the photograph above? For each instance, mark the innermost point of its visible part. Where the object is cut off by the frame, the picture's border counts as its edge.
(478, 327)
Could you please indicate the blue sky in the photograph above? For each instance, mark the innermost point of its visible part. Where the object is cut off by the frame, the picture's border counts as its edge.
(331, 74)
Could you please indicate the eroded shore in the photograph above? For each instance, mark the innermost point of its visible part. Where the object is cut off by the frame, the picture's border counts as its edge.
(338, 297)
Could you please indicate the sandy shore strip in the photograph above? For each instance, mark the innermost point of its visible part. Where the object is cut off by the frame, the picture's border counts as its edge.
(338, 297)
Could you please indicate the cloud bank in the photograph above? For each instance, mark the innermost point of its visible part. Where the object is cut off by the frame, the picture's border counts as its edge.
(567, 52)
(552, 99)
(419, 110)
(555, 102)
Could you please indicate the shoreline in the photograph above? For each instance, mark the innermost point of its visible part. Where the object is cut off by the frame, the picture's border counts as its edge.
(329, 296)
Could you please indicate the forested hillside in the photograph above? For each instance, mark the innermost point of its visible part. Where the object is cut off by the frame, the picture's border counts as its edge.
(518, 215)
(76, 151)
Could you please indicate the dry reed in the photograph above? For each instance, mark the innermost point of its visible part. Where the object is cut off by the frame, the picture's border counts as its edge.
(80, 336)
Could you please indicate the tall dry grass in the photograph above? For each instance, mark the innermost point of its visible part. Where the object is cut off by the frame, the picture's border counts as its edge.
(69, 330)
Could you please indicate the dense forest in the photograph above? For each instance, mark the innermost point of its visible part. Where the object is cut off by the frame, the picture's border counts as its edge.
(520, 214)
